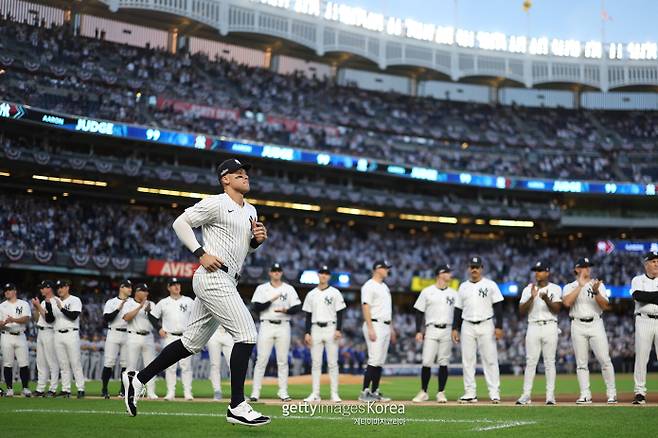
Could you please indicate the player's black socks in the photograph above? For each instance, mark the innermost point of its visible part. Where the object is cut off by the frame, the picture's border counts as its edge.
(239, 364)
(9, 377)
(107, 372)
(169, 355)
(425, 375)
(376, 377)
(25, 376)
(443, 377)
(367, 376)
(122, 388)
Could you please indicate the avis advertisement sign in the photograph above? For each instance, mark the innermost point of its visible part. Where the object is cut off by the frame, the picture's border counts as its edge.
(164, 268)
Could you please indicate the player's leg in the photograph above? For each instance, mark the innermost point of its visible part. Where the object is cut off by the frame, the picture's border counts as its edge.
(368, 374)
(430, 352)
(549, 352)
(469, 357)
(601, 349)
(109, 360)
(8, 362)
(282, 348)
(384, 339)
(581, 353)
(73, 345)
(186, 377)
(53, 363)
(148, 354)
(215, 357)
(331, 346)
(43, 371)
(317, 348)
(445, 350)
(264, 346)
(644, 338)
(532, 351)
(123, 359)
(64, 363)
(489, 354)
(170, 372)
(23, 359)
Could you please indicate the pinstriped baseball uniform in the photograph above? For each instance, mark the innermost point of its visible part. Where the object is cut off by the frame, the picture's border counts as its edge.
(115, 341)
(646, 330)
(226, 231)
(438, 306)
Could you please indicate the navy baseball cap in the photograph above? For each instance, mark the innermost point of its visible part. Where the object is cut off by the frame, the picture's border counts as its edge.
(324, 269)
(651, 255)
(8, 286)
(475, 261)
(173, 280)
(441, 269)
(45, 284)
(381, 264)
(276, 267)
(583, 262)
(230, 166)
(541, 266)
(142, 287)
(62, 283)
(126, 283)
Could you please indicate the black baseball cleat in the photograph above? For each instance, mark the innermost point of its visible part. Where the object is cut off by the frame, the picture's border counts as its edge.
(38, 394)
(639, 399)
(134, 390)
(50, 394)
(2, 392)
(106, 395)
(81, 394)
(253, 399)
(244, 415)
(64, 394)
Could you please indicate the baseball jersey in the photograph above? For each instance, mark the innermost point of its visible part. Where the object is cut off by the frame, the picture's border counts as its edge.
(477, 299)
(71, 303)
(225, 227)
(140, 323)
(265, 292)
(110, 306)
(437, 304)
(17, 309)
(174, 313)
(323, 304)
(42, 321)
(378, 297)
(585, 305)
(646, 284)
(539, 310)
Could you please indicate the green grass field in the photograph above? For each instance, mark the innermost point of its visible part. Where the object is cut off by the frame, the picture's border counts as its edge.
(100, 418)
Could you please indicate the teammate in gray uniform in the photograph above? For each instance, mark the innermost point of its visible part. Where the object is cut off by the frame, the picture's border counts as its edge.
(15, 314)
(644, 289)
(230, 231)
(116, 339)
(47, 365)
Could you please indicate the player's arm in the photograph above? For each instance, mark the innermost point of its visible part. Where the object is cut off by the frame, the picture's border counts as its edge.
(39, 309)
(553, 306)
(259, 234)
(50, 315)
(183, 227)
(69, 314)
(367, 318)
(642, 296)
(108, 317)
(528, 299)
(571, 296)
(420, 316)
(295, 308)
(130, 315)
(601, 299)
(21, 320)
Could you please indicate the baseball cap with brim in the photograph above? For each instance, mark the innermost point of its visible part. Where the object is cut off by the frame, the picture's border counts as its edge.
(475, 262)
(45, 284)
(126, 283)
(173, 280)
(231, 165)
(324, 269)
(441, 269)
(276, 267)
(381, 264)
(141, 287)
(62, 283)
(584, 262)
(541, 266)
(651, 255)
(8, 286)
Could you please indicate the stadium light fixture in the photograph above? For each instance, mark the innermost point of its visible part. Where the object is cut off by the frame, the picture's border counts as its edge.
(426, 218)
(360, 212)
(5, 174)
(511, 223)
(82, 182)
(282, 204)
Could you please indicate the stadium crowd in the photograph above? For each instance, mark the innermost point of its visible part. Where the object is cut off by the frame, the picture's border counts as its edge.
(132, 84)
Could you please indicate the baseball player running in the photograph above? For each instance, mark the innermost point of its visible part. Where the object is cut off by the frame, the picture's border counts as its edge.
(644, 289)
(116, 339)
(47, 365)
(15, 314)
(220, 342)
(478, 301)
(275, 301)
(378, 329)
(324, 307)
(541, 302)
(140, 333)
(586, 298)
(67, 309)
(174, 311)
(230, 231)
(437, 304)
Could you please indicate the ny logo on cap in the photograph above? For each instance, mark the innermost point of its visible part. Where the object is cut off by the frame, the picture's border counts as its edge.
(538, 264)
(450, 301)
(328, 301)
(474, 260)
(586, 260)
(483, 292)
(183, 308)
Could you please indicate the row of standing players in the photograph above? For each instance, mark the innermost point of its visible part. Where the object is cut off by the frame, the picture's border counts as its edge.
(471, 316)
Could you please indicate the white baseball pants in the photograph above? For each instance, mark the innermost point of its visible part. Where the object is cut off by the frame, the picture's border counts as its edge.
(323, 337)
(378, 350)
(586, 335)
(144, 347)
(481, 337)
(277, 336)
(646, 334)
(47, 365)
(67, 348)
(115, 344)
(185, 368)
(540, 339)
(14, 346)
(218, 344)
(437, 346)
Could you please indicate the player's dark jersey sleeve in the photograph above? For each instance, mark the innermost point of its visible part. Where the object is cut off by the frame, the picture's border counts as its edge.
(109, 317)
(70, 314)
(50, 317)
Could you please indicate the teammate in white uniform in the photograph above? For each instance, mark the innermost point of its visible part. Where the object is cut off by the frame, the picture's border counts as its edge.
(644, 289)
(541, 301)
(478, 301)
(220, 342)
(275, 301)
(140, 332)
(174, 311)
(437, 304)
(230, 231)
(117, 334)
(67, 309)
(324, 307)
(15, 314)
(378, 329)
(586, 298)
(47, 365)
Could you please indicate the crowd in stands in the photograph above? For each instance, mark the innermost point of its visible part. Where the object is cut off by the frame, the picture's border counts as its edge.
(51, 68)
